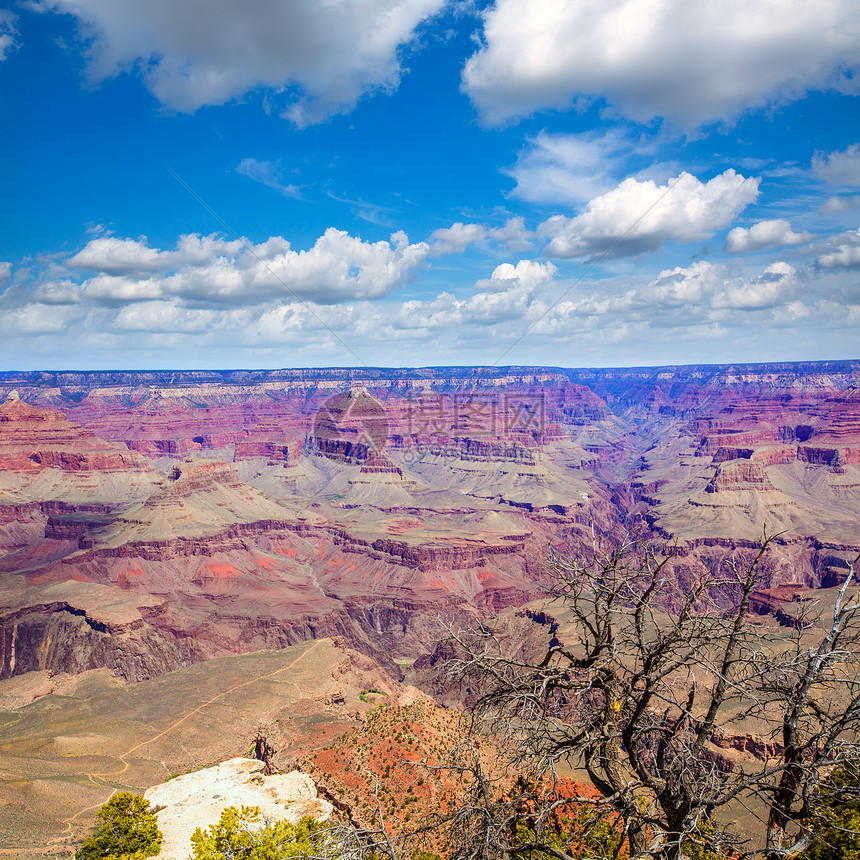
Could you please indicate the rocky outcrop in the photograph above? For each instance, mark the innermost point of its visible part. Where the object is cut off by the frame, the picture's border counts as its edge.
(378, 464)
(341, 450)
(197, 799)
(748, 744)
(71, 627)
(191, 477)
(73, 526)
(272, 451)
(448, 556)
(781, 602)
(513, 451)
(823, 455)
(33, 439)
(768, 456)
(735, 475)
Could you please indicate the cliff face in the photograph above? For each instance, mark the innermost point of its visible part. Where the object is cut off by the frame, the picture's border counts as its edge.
(34, 439)
(74, 626)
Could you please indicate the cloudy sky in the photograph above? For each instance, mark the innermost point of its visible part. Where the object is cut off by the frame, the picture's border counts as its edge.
(216, 183)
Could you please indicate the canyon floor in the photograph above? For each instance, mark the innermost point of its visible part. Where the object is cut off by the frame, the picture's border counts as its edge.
(200, 530)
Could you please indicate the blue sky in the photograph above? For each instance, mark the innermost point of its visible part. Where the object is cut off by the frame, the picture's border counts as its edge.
(210, 183)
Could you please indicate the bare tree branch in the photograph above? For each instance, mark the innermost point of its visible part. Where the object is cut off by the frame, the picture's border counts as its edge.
(647, 676)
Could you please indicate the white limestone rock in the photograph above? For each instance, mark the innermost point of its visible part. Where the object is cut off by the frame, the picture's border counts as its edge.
(198, 799)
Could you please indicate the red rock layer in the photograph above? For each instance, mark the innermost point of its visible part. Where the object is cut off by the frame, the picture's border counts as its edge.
(821, 426)
(739, 475)
(496, 414)
(33, 439)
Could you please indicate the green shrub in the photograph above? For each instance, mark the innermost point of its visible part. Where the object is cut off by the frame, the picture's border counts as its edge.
(835, 822)
(128, 831)
(240, 833)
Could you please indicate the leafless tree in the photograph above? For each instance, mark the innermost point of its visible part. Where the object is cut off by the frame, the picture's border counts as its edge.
(264, 752)
(642, 680)
(813, 686)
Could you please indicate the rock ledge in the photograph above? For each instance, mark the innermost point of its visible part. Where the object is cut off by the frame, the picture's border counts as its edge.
(197, 799)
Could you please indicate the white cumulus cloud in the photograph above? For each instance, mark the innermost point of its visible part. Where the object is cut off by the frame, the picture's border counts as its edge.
(696, 291)
(679, 287)
(527, 275)
(337, 267)
(775, 233)
(118, 256)
(774, 286)
(691, 62)
(206, 52)
(838, 168)
(456, 238)
(513, 234)
(636, 217)
(114, 256)
(845, 253)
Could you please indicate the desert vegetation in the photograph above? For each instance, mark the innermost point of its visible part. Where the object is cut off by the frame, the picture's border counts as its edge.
(386, 773)
(835, 820)
(242, 833)
(127, 830)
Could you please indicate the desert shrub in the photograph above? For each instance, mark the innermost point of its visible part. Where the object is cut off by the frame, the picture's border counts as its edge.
(128, 830)
(243, 833)
(835, 822)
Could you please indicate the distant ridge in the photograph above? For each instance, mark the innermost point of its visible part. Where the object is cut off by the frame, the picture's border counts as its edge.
(240, 376)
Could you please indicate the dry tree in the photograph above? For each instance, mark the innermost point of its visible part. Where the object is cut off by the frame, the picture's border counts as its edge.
(630, 697)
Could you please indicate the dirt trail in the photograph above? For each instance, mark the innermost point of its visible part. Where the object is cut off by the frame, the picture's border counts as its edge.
(93, 776)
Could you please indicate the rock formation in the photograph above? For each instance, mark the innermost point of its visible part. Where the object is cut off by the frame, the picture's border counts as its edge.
(197, 800)
(33, 439)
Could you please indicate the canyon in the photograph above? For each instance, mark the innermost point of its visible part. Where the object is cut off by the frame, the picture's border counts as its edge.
(227, 512)
(153, 522)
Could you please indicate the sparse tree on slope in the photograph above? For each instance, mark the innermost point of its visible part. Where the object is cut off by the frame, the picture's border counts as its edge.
(242, 834)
